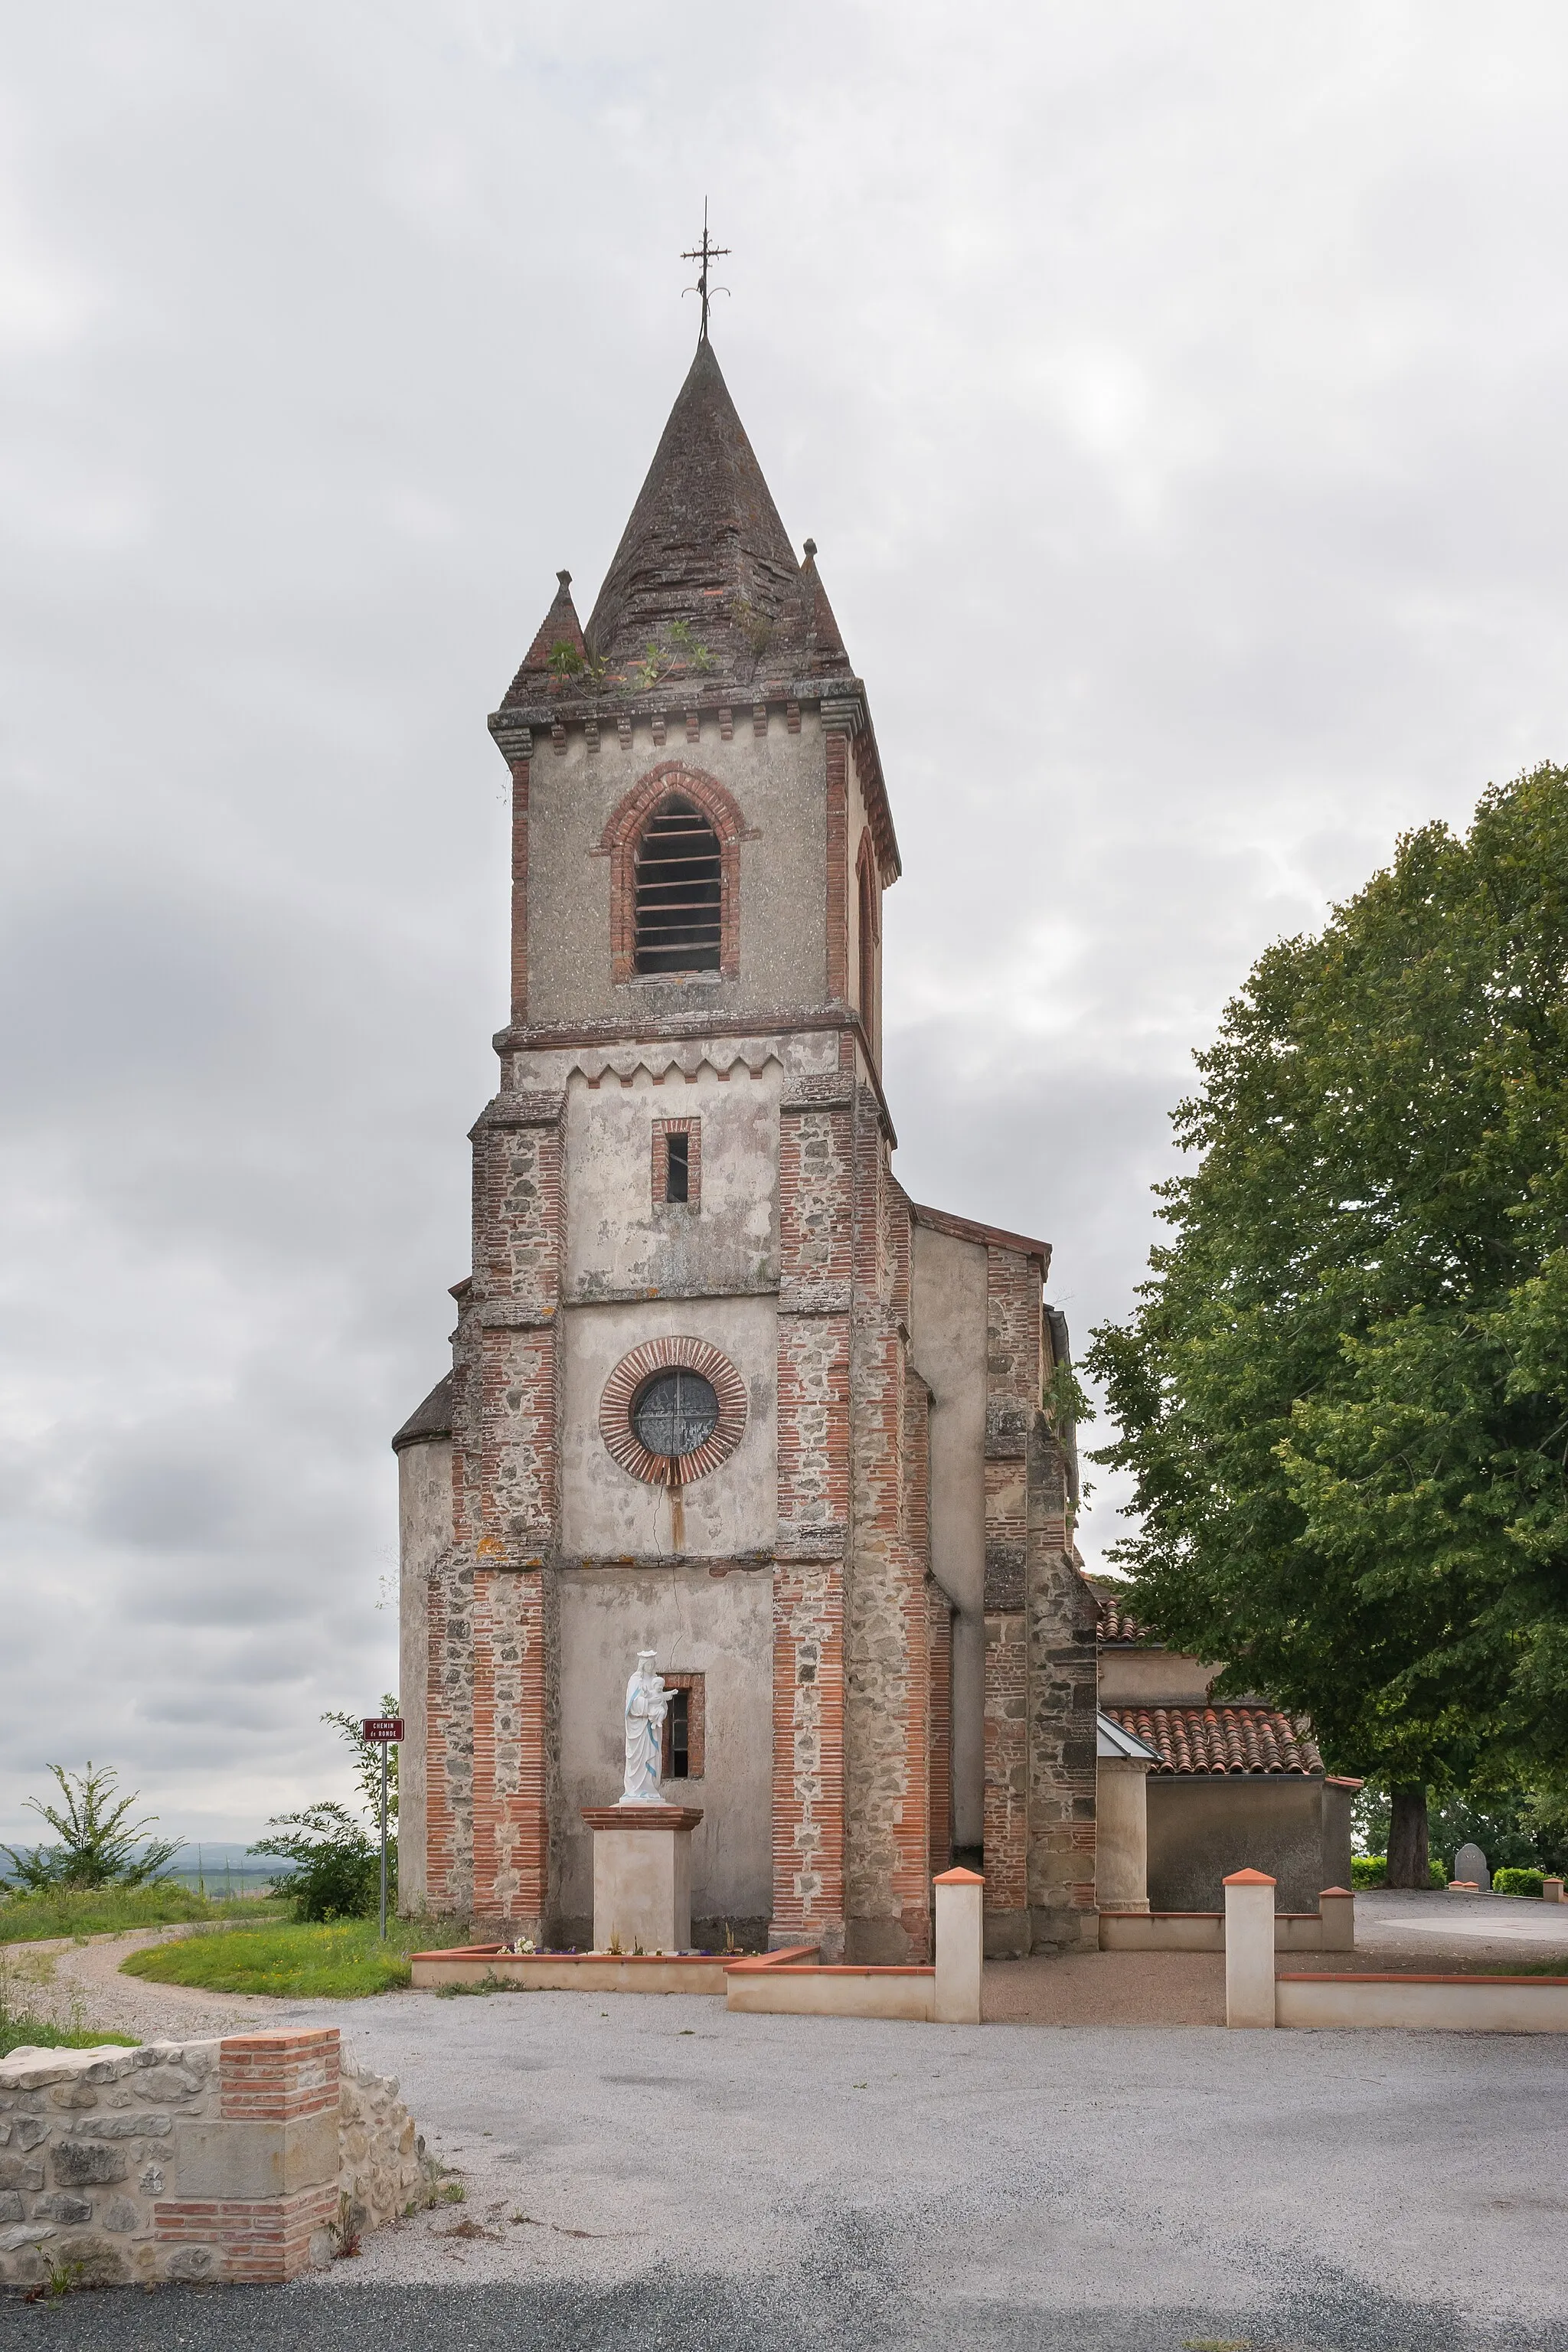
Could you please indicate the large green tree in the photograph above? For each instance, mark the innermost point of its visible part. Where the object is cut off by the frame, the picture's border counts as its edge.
(1343, 1394)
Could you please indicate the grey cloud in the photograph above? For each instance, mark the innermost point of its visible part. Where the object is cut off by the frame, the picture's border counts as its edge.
(1176, 409)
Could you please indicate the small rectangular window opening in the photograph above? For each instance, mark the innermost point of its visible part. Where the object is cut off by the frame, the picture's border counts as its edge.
(678, 1725)
(681, 1757)
(678, 1170)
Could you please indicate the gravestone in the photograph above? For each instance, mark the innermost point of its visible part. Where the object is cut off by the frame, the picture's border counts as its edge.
(1471, 1862)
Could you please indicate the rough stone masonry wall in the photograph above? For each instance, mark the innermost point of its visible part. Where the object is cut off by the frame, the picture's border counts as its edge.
(249, 2159)
(511, 1500)
(888, 1675)
(816, 1164)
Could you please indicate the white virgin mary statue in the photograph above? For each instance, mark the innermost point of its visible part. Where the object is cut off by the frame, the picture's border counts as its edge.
(648, 1704)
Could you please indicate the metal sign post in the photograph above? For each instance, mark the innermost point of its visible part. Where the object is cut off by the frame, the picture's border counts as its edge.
(383, 1731)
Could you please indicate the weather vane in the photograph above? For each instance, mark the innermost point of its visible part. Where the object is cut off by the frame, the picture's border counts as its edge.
(704, 253)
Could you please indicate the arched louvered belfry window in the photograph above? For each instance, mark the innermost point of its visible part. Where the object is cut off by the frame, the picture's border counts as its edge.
(680, 890)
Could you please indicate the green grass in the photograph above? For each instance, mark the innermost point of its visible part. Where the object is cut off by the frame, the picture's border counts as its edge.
(339, 1961)
(110, 1910)
(23, 2033)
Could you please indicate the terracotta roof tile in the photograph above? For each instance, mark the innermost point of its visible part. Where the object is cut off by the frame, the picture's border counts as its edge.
(1117, 1623)
(1192, 1740)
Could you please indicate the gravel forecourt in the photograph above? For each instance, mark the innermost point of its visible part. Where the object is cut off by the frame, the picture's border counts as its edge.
(658, 2172)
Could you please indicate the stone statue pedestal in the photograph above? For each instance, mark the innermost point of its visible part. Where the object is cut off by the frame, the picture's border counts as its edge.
(642, 1876)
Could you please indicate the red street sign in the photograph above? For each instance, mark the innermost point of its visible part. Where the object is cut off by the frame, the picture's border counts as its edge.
(387, 1728)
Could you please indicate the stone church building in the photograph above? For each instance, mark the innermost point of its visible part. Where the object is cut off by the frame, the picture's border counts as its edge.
(719, 1389)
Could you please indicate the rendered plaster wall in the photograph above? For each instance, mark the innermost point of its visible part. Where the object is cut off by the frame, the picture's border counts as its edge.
(1338, 1798)
(947, 1345)
(1153, 1677)
(720, 1626)
(424, 1514)
(1201, 1827)
(777, 782)
(618, 1239)
(607, 1512)
(1121, 1835)
(857, 825)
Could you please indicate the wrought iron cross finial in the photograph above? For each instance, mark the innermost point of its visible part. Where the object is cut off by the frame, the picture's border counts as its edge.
(704, 253)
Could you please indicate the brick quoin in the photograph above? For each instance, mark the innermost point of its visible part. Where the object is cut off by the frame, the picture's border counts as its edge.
(1013, 1375)
(279, 2076)
(888, 1788)
(816, 1270)
(521, 776)
(258, 2243)
(808, 1755)
(1007, 1763)
(511, 1831)
(511, 1458)
(837, 744)
(939, 1652)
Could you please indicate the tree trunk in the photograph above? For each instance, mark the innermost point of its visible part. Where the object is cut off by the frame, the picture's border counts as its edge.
(1407, 1855)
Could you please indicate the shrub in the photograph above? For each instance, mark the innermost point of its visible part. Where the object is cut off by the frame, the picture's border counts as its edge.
(98, 1845)
(1517, 1882)
(1369, 1870)
(337, 1868)
(337, 1873)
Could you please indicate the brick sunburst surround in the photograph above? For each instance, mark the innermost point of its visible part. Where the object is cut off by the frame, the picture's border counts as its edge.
(633, 1372)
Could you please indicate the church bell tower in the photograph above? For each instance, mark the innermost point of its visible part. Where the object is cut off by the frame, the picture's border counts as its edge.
(684, 1415)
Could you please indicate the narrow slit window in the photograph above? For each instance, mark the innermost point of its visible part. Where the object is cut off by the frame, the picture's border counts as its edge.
(678, 1727)
(677, 1162)
(679, 891)
(682, 1758)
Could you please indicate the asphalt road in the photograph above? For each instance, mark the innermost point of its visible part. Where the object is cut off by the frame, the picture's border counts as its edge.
(658, 2173)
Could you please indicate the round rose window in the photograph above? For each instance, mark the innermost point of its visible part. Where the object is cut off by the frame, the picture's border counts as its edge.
(676, 1414)
(673, 1401)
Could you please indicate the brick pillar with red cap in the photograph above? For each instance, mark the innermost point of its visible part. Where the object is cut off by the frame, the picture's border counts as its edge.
(258, 2183)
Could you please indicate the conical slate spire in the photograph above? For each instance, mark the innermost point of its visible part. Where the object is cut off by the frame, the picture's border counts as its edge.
(704, 571)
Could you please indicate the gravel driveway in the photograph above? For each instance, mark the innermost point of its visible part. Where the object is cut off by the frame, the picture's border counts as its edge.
(658, 2172)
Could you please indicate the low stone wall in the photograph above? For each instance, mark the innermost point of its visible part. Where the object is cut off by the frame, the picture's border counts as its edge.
(251, 2158)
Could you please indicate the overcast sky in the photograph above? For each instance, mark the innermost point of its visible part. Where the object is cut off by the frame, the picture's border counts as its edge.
(1176, 397)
